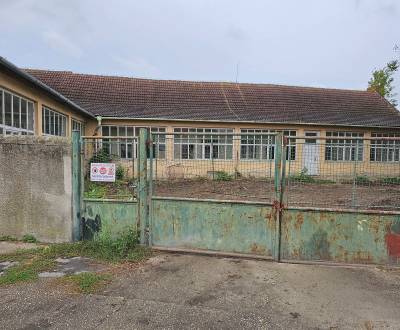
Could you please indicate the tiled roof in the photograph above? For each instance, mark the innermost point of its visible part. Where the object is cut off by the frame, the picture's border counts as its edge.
(111, 96)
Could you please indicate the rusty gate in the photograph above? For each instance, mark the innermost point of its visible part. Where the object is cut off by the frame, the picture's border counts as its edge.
(271, 229)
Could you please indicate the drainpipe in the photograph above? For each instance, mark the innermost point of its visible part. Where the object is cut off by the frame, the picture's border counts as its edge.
(99, 118)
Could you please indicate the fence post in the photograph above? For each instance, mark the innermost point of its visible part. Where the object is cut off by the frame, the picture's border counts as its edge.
(143, 210)
(76, 186)
(354, 185)
(278, 195)
(150, 145)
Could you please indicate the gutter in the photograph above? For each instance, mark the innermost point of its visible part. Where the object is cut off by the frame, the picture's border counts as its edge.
(245, 122)
(59, 97)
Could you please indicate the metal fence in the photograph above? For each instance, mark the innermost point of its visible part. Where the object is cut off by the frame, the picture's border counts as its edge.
(327, 172)
(341, 172)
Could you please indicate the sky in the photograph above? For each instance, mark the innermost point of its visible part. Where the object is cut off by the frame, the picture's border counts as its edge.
(322, 43)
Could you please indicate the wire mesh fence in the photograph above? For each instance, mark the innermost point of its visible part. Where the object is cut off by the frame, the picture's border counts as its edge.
(340, 172)
(328, 172)
(215, 166)
(120, 151)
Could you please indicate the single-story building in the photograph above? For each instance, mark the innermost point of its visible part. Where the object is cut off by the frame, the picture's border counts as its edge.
(45, 102)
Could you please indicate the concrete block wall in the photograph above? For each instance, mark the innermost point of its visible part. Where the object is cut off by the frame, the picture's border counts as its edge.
(36, 188)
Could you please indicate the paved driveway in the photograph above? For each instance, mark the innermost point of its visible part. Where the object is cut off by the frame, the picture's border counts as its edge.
(186, 291)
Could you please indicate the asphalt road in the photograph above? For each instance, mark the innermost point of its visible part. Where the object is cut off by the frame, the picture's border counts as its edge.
(198, 292)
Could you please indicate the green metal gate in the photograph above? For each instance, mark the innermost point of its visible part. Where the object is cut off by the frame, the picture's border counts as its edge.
(270, 230)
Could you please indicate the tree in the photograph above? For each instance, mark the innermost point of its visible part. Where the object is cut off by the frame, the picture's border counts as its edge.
(382, 81)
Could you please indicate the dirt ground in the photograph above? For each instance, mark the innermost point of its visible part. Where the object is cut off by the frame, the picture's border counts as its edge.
(297, 194)
(9, 247)
(176, 291)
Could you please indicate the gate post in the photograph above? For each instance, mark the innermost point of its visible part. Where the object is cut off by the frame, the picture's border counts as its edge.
(143, 187)
(279, 184)
(76, 186)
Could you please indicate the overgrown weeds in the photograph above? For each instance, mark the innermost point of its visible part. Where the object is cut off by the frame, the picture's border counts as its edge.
(87, 282)
(304, 177)
(106, 247)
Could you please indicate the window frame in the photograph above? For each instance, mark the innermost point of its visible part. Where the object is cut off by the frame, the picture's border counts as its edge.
(388, 149)
(11, 129)
(61, 119)
(128, 146)
(341, 148)
(268, 146)
(203, 145)
(81, 124)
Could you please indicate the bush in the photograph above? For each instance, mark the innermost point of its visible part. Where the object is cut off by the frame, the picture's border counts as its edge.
(223, 176)
(306, 178)
(29, 238)
(391, 180)
(119, 172)
(362, 180)
(101, 156)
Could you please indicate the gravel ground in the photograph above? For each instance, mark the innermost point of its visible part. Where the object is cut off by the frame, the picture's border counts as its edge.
(176, 291)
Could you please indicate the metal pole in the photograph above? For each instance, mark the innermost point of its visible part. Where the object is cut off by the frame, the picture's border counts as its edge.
(142, 187)
(278, 197)
(76, 186)
(150, 145)
(354, 186)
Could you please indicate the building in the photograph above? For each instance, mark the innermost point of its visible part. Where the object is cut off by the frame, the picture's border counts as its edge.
(348, 120)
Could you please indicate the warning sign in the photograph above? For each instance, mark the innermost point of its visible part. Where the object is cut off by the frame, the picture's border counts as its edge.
(102, 172)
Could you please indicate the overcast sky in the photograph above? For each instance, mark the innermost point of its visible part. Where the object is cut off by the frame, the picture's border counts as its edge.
(326, 43)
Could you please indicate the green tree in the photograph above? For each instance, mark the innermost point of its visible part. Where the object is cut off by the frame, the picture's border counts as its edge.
(382, 81)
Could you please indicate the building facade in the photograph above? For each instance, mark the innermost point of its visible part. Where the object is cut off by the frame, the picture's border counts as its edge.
(195, 123)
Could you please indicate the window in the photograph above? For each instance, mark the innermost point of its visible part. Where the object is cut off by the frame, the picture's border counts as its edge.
(346, 148)
(385, 150)
(53, 123)
(291, 147)
(126, 148)
(16, 114)
(201, 146)
(257, 146)
(78, 126)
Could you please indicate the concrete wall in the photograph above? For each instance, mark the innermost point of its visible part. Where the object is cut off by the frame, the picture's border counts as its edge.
(35, 194)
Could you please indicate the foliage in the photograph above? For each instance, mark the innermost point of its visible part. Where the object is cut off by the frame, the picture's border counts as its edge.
(95, 190)
(29, 238)
(223, 176)
(382, 81)
(27, 270)
(391, 180)
(8, 238)
(119, 172)
(101, 156)
(362, 180)
(104, 247)
(118, 189)
(304, 177)
(87, 282)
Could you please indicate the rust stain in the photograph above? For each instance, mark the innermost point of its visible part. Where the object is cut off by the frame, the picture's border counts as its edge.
(362, 258)
(299, 221)
(393, 244)
(256, 249)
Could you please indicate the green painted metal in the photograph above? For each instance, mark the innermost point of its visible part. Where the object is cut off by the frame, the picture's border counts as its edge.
(143, 186)
(278, 195)
(150, 190)
(213, 225)
(76, 186)
(273, 231)
(111, 216)
(340, 236)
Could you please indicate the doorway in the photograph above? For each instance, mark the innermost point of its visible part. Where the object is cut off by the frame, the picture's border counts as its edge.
(311, 153)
